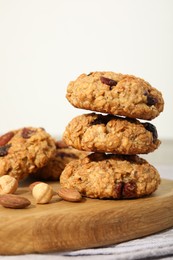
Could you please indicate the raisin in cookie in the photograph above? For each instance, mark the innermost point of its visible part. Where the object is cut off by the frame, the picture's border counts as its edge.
(117, 94)
(25, 150)
(108, 133)
(64, 154)
(111, 176)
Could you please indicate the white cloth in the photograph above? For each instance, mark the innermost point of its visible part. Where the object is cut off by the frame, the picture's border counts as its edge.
(157, 246)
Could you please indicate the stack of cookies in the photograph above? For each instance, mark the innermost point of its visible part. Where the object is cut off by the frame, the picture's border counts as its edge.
(114, 139)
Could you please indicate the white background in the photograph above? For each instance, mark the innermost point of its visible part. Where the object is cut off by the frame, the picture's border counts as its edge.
(44, 44)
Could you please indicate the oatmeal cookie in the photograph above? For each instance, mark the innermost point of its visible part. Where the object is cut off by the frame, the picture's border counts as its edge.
(108, 133)
(111, 176)
(64, 154)
(25, 150)
(116, 94)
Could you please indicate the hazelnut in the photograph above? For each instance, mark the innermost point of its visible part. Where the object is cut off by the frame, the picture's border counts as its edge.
(31, 186)
(42, 192)
(8, 184)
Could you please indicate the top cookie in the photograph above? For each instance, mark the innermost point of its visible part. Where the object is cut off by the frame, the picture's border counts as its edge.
(24, 151)
(115, 94)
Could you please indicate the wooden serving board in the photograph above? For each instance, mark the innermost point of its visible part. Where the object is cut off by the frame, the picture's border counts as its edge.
(63, 226)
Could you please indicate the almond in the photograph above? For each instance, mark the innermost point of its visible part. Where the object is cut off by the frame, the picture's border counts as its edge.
(69, 194)
(14, 201)
(4, 139)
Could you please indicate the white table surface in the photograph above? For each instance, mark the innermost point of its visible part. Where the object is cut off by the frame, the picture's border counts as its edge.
(157, 246)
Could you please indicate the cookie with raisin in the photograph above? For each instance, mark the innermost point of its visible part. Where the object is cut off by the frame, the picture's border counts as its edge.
(111, 134)
(24, 151)
(63, 155)
(116, 94)
(108, 176)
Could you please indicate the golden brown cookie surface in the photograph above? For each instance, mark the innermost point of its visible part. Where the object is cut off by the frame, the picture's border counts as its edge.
(56, 165)
(25, 150)
(111, 176)
(107, 133)
(117, 94)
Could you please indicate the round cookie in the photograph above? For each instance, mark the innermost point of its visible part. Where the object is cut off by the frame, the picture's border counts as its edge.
(116, 94)
(111, 176)
(63, 155)
(25, 150)
(112, 134)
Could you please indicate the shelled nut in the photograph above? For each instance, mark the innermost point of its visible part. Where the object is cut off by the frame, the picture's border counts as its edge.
(42, 192)
(32, 185)
(14, 201)
(69, 194)
(8, 184)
